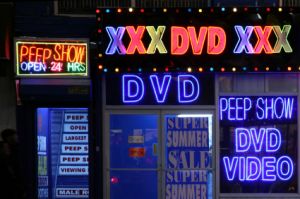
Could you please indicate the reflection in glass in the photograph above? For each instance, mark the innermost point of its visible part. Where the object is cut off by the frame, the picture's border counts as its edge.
(259, 154)
(133, 184)
(188, 148)
(133, 141)
(133, 156)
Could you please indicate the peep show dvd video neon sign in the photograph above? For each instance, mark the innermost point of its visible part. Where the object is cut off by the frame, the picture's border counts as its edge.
(51, 58)
(257, 154)
(177, 40)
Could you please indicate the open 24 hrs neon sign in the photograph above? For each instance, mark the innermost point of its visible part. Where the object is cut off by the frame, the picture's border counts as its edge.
(184, 38)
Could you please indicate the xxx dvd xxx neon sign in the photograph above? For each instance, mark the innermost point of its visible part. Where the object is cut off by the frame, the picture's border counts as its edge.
(195, 38)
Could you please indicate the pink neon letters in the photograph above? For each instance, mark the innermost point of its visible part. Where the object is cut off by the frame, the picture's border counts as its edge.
(182, 37)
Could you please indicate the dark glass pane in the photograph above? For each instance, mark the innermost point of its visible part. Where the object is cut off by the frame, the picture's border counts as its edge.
(133, 141)
(258, 144)
(188, 147)
(133, 184)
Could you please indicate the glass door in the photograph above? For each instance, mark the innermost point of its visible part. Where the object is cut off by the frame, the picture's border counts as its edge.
(188, 156)
(159, 155)
(132, 165)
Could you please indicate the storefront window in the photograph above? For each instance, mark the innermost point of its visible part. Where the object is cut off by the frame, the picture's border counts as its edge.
(188, 148)
(133, 141)
(282, 82)
(62, 136)
(133, 184)
(133, 156)
(258, 144)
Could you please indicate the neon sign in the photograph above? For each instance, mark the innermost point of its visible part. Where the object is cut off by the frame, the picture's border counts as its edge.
(51, 58)
(238, 108)
(133, 88)
(257, 151)
(262, 35)
(116, 36)
(251, 168)
(159, 88)
(181, 38)
(160, 91)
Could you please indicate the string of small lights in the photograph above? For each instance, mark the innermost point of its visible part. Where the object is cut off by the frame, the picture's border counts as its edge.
(200, 69)
(198, 10)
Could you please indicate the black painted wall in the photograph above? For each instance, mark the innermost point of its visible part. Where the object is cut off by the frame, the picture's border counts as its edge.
(245, 2)
(36, 18)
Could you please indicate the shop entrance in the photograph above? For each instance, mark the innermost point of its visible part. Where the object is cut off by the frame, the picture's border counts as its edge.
(158, 154)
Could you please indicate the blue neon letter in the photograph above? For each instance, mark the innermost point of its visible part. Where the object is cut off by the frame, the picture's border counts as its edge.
(247, 106)
(160, 89)
(223, 106)
(288, 107)
(242, 140)
(253, 166)
(258, 139)
(242, 168)
(231, 108)
(230, 167)
(285, 168)
(239, 108)
(268, 167)
(185, 96)
(273, 140)
(243, 43)
(132, 88)
(115, 43)
(260, 114)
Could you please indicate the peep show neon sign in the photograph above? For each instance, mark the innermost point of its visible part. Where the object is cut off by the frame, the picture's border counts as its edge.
(51, 58)
(256, 154)
(210, 40)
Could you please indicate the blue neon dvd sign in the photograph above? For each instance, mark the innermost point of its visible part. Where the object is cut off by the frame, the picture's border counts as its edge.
(133, 88)
(160, 89)
(258, 149)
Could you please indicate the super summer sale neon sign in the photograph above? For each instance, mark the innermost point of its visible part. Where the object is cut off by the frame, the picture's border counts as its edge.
(255, 156)
(195, 38)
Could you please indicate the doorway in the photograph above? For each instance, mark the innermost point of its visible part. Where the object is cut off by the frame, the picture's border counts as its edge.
(159, 154)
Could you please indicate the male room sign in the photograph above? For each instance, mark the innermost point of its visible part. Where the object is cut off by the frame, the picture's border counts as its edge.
(259, 151)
